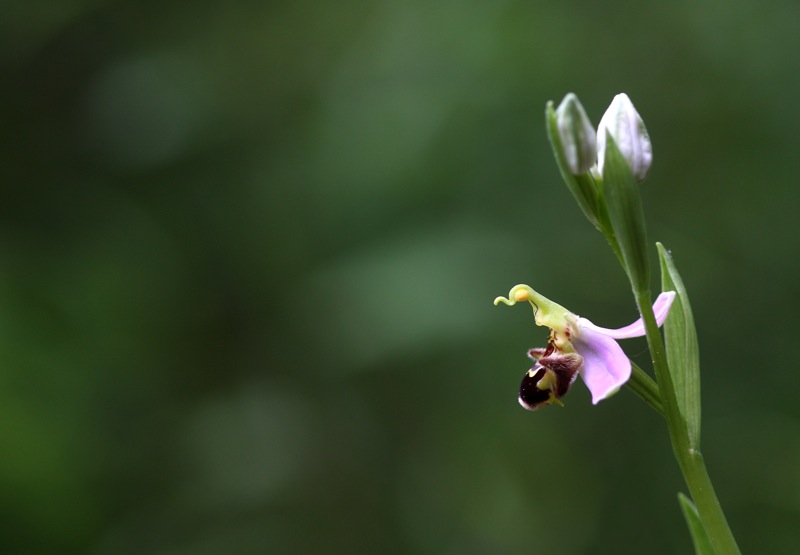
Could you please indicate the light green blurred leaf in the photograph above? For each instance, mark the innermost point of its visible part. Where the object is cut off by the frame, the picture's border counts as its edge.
(621, 193)
(683, 353)
(582, 187)
(702, 545)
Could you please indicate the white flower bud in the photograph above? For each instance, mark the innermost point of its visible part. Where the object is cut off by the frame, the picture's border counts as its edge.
(578, 138)
(625, 125)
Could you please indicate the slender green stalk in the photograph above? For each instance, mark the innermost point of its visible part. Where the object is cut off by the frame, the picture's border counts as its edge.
(644, 386)
(690, 460)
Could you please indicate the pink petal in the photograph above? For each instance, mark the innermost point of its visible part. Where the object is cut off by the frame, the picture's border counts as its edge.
(605, 365)
(660, 308)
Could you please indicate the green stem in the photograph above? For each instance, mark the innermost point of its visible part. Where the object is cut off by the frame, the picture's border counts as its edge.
(604, 225)
(690, 460)
(644, 386)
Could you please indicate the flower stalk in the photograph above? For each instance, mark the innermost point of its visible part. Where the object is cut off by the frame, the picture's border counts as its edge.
(627, 228)
(645, 388)
(690, 460)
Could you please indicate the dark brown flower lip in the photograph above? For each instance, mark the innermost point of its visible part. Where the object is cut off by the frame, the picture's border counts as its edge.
(558, 372)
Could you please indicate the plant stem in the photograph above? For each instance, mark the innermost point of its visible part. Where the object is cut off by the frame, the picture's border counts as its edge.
(689, 459)
(644, 386)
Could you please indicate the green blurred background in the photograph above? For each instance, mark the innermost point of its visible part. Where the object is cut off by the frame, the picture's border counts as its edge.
(248, 252)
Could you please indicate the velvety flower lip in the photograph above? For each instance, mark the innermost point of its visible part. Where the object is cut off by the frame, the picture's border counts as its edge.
(576, 346)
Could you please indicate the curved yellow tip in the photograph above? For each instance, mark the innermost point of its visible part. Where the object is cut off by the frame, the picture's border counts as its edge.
(518, 294)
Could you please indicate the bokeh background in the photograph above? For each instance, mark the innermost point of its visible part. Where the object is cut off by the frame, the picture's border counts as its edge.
(248, 252)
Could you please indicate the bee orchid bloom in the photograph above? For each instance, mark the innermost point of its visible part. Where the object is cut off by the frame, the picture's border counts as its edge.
(576, 346)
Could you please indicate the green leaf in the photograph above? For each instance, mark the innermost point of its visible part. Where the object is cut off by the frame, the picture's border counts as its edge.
(624, 204)
(702, 545)
(582, 187)
(683, 352)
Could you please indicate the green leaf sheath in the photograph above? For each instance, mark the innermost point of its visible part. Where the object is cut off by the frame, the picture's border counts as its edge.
(683, 353)
(702, 545)
(624, 204)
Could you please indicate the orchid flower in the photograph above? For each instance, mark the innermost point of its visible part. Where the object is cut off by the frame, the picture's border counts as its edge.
(576, 346)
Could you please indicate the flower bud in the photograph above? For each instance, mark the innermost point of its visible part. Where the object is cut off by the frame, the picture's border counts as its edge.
(625, 125)
(578, 138)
